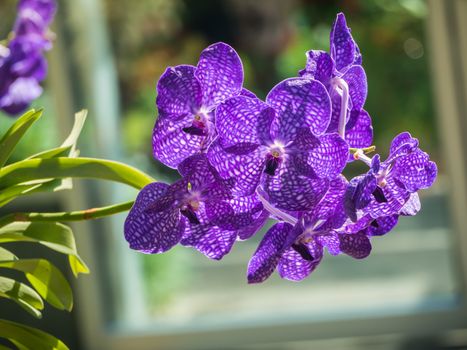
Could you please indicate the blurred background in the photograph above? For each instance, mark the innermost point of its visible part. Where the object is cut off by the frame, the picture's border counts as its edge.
(409, 294)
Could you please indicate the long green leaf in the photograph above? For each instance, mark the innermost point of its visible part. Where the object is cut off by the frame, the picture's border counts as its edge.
(31, 338)
(53, 235)
(6, 255)
(22, 294)
(10, 193)
(33, 169)
(11, 138)
(46, 279)
(68, 147)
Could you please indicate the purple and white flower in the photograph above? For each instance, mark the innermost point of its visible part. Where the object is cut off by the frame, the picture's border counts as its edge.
(186, 100)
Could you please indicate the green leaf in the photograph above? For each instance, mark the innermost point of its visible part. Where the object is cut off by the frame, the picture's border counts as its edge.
(77, 265)
(22, 294)
(2, 347)
(6, 255)
(52, 153)
(29, 337)
(37, 169)
(15, 132)
(18, 345)
(68, 147)
(46, 279)
(10, 193)
(53, 235)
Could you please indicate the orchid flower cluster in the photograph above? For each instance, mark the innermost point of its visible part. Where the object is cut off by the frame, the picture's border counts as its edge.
(243, 161)
(22, 63)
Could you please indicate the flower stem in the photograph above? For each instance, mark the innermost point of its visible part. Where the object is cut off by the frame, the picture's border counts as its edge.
(274, 211)
(79, 215)
(340, 83)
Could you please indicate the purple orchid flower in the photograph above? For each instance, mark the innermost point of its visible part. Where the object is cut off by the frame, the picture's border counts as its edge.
(296, 250)
(390, 187)
(342, 74)
(281, 143)
(22, 63)
(186, 100)
(198, 210)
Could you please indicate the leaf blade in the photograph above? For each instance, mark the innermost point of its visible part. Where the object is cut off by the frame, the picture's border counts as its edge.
(53, 235)
(46, 279)
(29, 337)
(22, 294)
(13, 135)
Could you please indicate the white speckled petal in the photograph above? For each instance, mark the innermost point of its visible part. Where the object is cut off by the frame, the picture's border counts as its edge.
(243, 120)
(359, 131)
(220, 73)
(299, 103)
(415, 170)
(149, 230)
(178, 92)
(326, 155)
(243, 170)
(344, 50)
(294, 268)
(357, 246)
(171, 145)
(267, 255)
(207, 238)
(358, 88)
(293, 192)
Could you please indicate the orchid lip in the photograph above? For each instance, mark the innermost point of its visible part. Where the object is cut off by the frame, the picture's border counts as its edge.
(190, 214)
(303, 251)
(198, 127)
(272, 163)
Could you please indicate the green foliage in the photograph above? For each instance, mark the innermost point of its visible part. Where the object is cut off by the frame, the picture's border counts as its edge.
(28, 337)
(14, 134)
(47, 171)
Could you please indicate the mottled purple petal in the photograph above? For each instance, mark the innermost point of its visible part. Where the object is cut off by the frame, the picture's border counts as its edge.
(401, 145)
(267, 255)
(235, 213)
(396, 198)
(244, 169)
(293, 267)
(171, 145)
(212, 241)
(247, 93)
(220, 73)
(330, 209)
(344, 50)
(364, 191)
(178, 92)
(326, 155)
(247, 232)
(243, 120)
(415, 171)
(358, 88)
(319, 66)
(413, 205)
(360, 133)
(293, 192)
(149, 230)
(19, 95)
(208, 239)
(330, 241)
(382, 225)
(299, 103)
(45, 9)
(357, 246)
